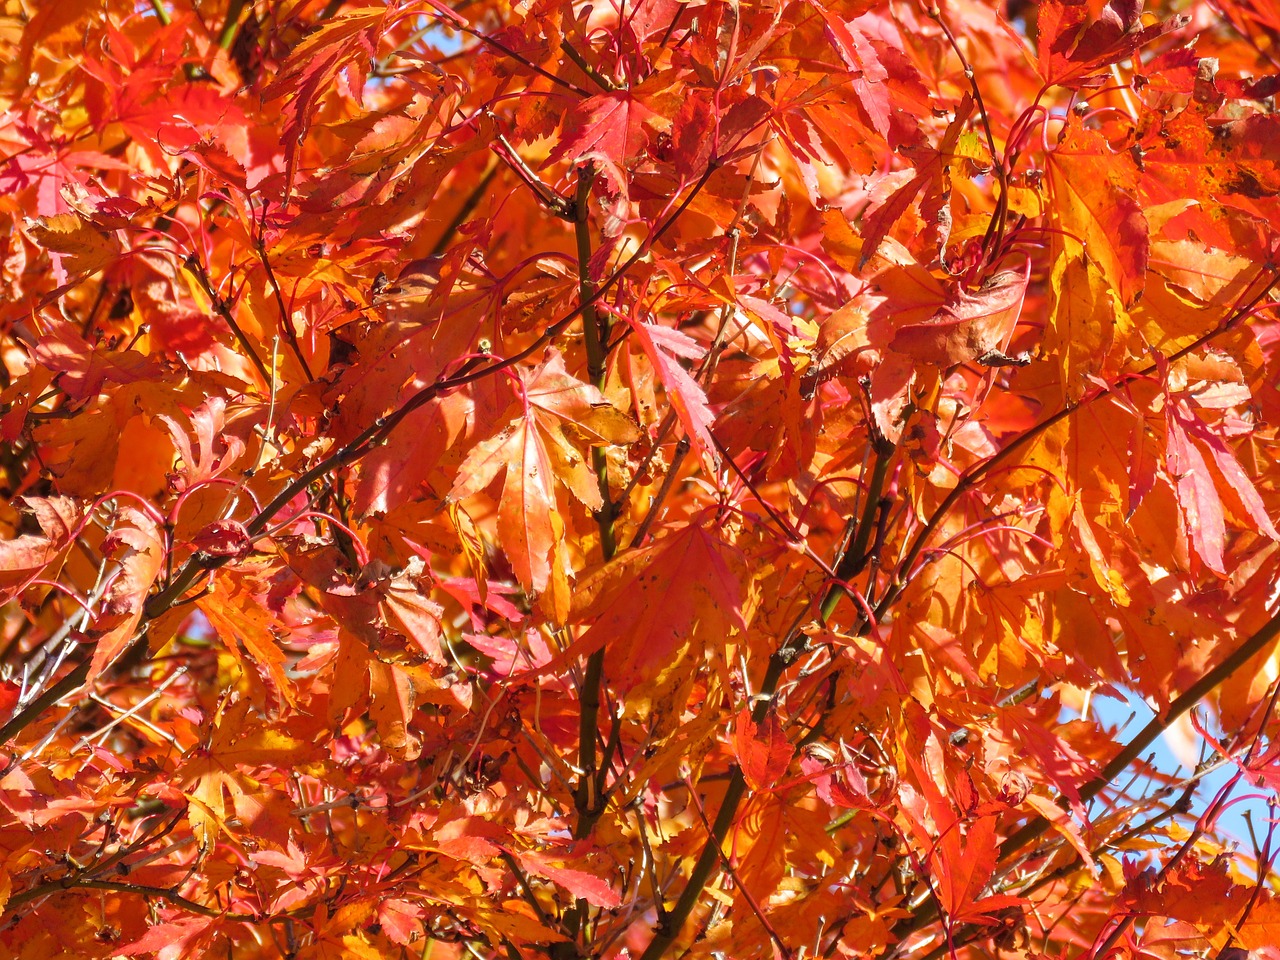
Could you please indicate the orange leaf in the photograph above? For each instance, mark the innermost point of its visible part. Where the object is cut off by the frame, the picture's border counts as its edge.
(139, 549)
(582, 884)
(971, 326)
(534, 450)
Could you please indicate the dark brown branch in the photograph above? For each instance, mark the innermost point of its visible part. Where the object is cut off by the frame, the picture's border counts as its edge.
(468, 207)
(59, 886)
(595, 327)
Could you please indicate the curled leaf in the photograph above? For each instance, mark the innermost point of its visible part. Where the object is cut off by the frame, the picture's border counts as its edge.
(970, 326)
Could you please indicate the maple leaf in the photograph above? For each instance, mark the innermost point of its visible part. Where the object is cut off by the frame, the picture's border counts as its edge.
(217, 771)
(611, 128)
(842, 786)
(432, 641)
(389, 610)
(535, 451)
(1071, 48)
(1081, 323)
(85, 369)
(580, 883)
(1197, 491)
(78, 247)
(763, 750)
(1097, 212)
(27, 556)
(200, 462)
(172, 939)
(137, 545)
(342, 42)
(401, 920)
(860, 56)
(649, 607)
(246, 628)
(930, 173)
(665, 347)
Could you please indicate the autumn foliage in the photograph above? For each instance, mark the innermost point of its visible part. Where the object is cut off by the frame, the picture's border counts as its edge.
(653, 478)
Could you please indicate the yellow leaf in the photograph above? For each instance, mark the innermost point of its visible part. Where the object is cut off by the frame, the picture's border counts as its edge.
(78, 244)
(1081, 325)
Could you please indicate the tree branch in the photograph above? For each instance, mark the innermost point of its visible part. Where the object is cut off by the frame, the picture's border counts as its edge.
(670, 925)
(58, 886)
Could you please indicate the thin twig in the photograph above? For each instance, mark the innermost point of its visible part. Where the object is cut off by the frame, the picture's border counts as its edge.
(197, 270)
(600, 80)
(286, 323)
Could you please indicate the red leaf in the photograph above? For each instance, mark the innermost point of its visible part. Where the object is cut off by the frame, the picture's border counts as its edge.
(931, 169)
(647, 607)
(841, 785)
(1068, 49)
(1228, 465)
(586, 886)
(610, 128)
(1197, 495)
(535, 450)
(171, 939)
(860, 57)
(1094, 206)
(1142, 467)
(662, 345)
(346, 40)
(692, 138)
(24, 557)
(392, 699)
(401, 921)
(763, 751)
(223, 538)
(202, 461)
(469, 838)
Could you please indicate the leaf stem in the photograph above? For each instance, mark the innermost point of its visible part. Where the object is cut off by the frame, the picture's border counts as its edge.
(995, 227)
(668, 481)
